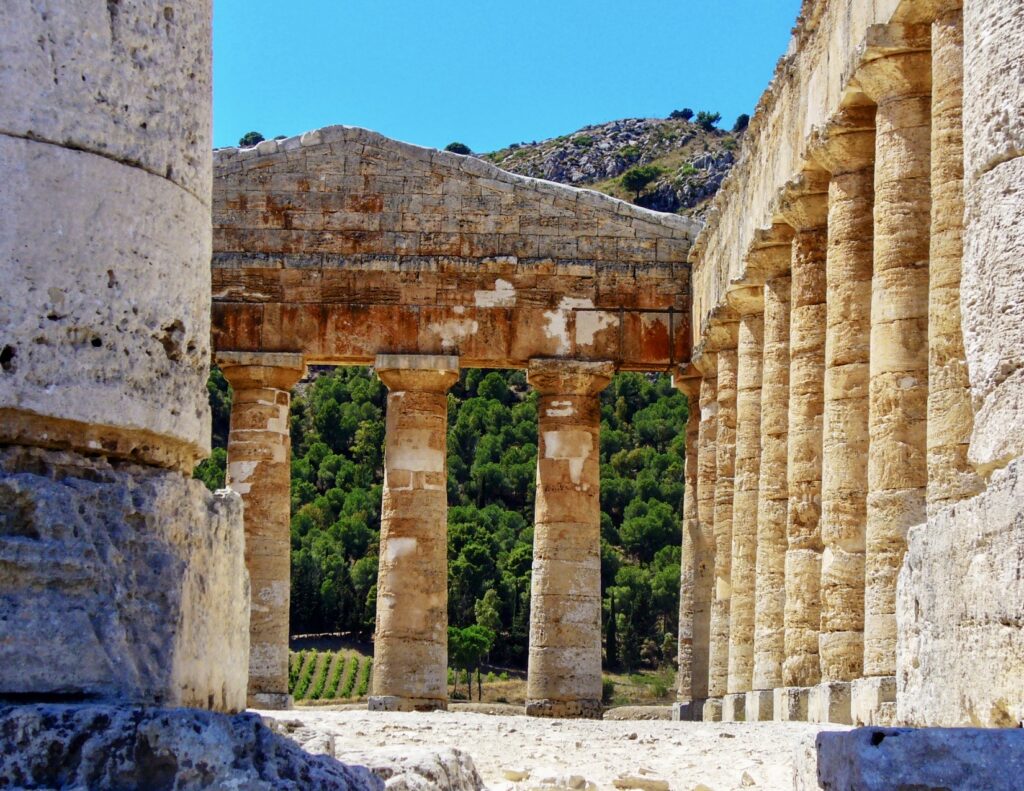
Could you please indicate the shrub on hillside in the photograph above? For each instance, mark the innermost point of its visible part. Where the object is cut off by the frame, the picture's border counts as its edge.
(458, 148)
(635, 179)
(249, 139)
(741, 122)
(707, 120)
(681, 115)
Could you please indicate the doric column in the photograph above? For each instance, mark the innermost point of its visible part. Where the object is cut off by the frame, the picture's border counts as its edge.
(410, 652)
(259, 469)
(564, 673)
(773, 488)
(897, 470)
(748, 302)
(806, 210)
(950, 415)
(847, 151)
(725, 447)
(707, 472)
(695, 572)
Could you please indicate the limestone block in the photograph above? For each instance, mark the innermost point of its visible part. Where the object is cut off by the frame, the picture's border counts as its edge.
(759, 705)
(712, 710)
(789, 704)
(105, 320)
(128, 80)
(95, 746)
(960, 644)
(880, 759)
(120, 583)
(873, 700)
(830, 702)
(734, 707)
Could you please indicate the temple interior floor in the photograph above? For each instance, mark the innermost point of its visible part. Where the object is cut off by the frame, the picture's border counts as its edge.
(573, 754)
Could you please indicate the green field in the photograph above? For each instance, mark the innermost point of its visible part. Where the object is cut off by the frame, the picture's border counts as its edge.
(329, 676)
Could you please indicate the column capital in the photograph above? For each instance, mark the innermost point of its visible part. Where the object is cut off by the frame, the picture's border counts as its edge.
(804, 201)
(770, 253)
(421, 372)
(896, 62)
(746, 300)
(248, 370)
(686, 379)
(706, 362)
(847, 143)
(555, 376)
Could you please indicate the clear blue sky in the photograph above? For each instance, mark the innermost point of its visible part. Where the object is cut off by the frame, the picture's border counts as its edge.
(486, 73)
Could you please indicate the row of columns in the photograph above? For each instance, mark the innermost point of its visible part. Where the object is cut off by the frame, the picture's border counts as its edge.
(830, 407)
(410, 644)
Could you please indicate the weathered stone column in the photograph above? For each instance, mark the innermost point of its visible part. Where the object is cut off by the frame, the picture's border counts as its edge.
(847, 151)
(707, 472)
(773, 258)
(806, 210)
(695, 573)
(725, 447)
(564, 673)
(259, 469)
(897, 471)
(748, 302)
(951, 477)
(122, 579)
(410, 651)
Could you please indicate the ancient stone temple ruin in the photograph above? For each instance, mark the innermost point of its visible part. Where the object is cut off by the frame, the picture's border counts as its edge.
(847, 327)
(852, 522)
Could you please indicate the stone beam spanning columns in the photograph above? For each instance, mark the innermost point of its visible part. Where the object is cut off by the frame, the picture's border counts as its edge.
(847, 151)
(410, 653)
(773, 489)
(707, 470)
(748, 302)
(805, 208)
(696, 570)
(259, 469)
(899, 81)
(951, 476)
(564, 674)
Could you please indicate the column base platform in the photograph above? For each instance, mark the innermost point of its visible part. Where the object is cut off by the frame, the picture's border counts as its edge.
(830, 702)
(273, 701)
(760, 705)
(713, 710)
(873, 700)
(586, 709)
(691, 711)
(734, 707)
(395, 703)
(790, 704)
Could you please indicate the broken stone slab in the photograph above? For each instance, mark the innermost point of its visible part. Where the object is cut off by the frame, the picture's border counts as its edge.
(883, 759)
(418, 769)
(59, 746)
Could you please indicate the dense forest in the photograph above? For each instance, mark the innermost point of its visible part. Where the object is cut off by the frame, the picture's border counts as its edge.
(337, 429)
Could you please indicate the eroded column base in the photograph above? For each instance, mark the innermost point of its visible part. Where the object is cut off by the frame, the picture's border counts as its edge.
(274, 701)
(734, 707)
(691, 711)
(790, 704)
(567, 709)
(873, 700)
(830, 702)
(395, 703)
(713, 710)
(760, 705)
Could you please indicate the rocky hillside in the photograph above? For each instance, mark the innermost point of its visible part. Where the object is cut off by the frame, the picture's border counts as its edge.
(690, 161)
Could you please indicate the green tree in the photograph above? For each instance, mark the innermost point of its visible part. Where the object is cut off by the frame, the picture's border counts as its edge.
(458, 148)
(707, 120)
(636, 178)
(611, 650)
(249, 139)
(486, 611)
(741, 122)
(466, 649)
(681, 115)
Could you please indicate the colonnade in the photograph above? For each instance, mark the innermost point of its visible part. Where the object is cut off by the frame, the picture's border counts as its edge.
(410, 644)
(830, 406)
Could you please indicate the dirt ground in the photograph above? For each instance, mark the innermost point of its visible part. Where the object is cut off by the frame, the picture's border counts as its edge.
(516, 753)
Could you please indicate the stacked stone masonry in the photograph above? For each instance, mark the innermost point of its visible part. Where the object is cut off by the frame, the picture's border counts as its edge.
(875, 211)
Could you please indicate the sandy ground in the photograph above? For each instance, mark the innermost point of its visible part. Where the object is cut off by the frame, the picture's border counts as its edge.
(579, 754)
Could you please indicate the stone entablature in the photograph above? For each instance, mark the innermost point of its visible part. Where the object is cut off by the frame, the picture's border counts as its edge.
(343, 243)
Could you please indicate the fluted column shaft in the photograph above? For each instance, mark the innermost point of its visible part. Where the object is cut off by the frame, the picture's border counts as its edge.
(749, 303)
(695, 570)
(806, 210)
(410, 653)
(725, 447)
(707, 472)
(950, 414)
(564, 673)
(259, 469)
(897, 469)
(773, 488)
(848, 154)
